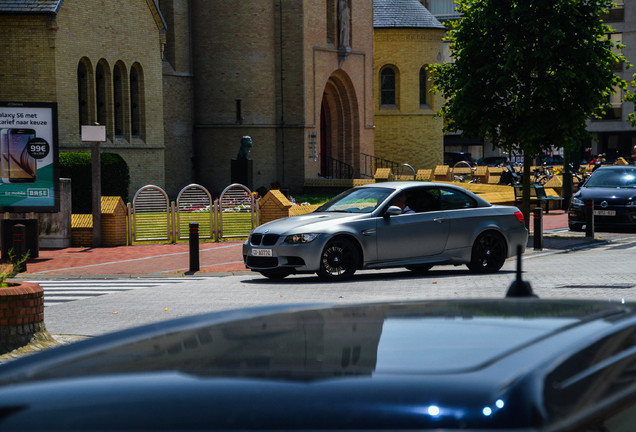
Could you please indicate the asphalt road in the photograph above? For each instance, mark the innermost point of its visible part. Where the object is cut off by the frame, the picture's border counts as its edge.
(606, 272)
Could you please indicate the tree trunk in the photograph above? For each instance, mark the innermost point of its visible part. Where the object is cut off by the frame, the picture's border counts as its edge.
(525, 200)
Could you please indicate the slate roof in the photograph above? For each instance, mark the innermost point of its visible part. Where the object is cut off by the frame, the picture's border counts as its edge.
(403, 14)
(30, 6)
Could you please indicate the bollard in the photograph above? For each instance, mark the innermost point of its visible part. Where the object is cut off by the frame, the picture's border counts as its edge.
(194, 246)
(537, 216)
(19, 244)
(589, 218)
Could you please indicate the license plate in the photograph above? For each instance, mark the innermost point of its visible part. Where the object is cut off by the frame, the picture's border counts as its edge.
(604, 212)
(262, 252)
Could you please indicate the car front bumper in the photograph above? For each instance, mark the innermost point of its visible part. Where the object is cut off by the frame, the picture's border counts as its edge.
(622, 216)
(297, 258)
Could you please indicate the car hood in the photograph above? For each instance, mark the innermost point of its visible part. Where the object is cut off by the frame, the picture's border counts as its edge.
(411, 365)
(316, 221)
(611, 195)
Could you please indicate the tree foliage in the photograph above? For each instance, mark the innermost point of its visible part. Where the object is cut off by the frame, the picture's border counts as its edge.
(528, 74)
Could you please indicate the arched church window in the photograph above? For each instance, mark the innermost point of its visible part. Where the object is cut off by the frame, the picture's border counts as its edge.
(424, 87)
(136, 101)
(119, 99)
(102, 86)
(84, 93)
(332, 20)
(388, 86)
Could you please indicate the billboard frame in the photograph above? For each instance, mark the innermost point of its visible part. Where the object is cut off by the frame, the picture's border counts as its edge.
(47, 126)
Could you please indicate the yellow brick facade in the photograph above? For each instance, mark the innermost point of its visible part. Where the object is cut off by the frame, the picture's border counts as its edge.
(408, 132)
(41, 55)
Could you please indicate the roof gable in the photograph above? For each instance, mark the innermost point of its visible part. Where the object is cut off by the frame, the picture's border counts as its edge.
(35, 7)
(403, 14)
(52, 7)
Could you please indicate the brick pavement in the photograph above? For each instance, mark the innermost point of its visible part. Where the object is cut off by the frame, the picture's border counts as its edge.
(164, 259)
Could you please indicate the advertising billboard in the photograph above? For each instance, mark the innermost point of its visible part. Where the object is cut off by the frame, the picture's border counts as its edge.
(29, 171)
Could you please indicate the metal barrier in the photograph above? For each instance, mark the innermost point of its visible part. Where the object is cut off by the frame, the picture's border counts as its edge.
(150, 207)
(151, 216)
(194, 204)
(238, 213)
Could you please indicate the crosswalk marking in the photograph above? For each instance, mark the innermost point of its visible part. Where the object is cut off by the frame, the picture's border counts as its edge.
(68, 290)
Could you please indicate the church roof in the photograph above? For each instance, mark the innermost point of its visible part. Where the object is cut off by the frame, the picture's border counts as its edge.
(403, 14)
(30, 6)
(45, 7)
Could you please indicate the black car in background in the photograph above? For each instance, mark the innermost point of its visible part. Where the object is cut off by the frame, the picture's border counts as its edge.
(452, 158)
(612, 188)
(509, 364)
(493, 161)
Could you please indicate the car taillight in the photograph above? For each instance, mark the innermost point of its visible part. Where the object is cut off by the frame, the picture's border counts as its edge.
(519, 217)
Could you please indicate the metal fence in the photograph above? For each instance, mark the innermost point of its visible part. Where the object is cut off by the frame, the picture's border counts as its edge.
(152, 217)
(194, 204)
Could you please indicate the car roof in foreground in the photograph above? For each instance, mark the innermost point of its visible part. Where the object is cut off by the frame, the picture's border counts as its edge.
(435, 364)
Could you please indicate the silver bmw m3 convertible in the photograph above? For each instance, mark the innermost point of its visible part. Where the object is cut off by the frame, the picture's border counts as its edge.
(397, 224)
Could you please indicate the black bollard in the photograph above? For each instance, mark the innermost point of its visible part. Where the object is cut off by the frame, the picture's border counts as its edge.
(589, 218)
(537, 216)
(194, 246)
(19, 244)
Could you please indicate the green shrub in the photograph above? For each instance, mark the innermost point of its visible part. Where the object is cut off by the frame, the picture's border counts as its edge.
(77, 166)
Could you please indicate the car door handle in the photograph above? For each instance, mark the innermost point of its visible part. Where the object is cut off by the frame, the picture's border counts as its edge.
(439, 220)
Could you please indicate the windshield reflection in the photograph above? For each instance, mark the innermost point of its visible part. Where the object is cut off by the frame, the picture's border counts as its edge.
(361, 200)
(624, 178)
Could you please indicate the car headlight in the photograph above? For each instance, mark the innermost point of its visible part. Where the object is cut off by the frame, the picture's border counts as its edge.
(577, 202)
(300, 238)
(631, 203)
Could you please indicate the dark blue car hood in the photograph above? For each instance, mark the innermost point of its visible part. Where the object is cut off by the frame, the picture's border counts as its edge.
(474, 364)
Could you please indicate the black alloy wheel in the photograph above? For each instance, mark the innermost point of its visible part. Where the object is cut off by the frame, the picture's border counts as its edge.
(489, 253)
(339, 260)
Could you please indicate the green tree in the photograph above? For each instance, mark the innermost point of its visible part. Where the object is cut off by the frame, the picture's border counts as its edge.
(527, 74)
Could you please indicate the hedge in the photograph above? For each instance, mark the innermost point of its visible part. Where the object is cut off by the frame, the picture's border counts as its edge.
(77, 166)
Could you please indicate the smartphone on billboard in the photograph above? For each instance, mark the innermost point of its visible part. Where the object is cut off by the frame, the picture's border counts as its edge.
(3, 157)
(22, 167)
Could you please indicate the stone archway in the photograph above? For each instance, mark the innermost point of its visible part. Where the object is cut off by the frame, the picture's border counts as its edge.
(339, 124)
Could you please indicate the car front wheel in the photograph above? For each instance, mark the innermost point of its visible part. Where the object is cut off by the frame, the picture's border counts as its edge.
(339, 260)
(489, 253)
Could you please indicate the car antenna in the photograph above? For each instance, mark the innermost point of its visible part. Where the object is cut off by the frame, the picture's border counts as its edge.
(519, 287)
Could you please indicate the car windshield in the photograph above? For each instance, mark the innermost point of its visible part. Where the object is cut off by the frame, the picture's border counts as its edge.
(613, 178)
(362, 200)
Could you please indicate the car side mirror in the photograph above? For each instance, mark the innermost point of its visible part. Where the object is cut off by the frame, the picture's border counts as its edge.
(393, 211)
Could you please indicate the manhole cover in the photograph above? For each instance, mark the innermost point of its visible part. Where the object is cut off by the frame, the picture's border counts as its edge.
(619, 286)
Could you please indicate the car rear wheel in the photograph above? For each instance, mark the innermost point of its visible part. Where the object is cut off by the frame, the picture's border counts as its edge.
(275, 274)
(419, 268)
(489, 253)
(339, 260)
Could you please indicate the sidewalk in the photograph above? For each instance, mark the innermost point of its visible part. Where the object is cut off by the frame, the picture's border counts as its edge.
(225, 257)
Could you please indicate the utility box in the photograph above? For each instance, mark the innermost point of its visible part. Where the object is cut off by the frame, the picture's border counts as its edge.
(31, 234)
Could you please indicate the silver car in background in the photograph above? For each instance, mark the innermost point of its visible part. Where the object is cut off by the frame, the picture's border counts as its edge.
(396, 224)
